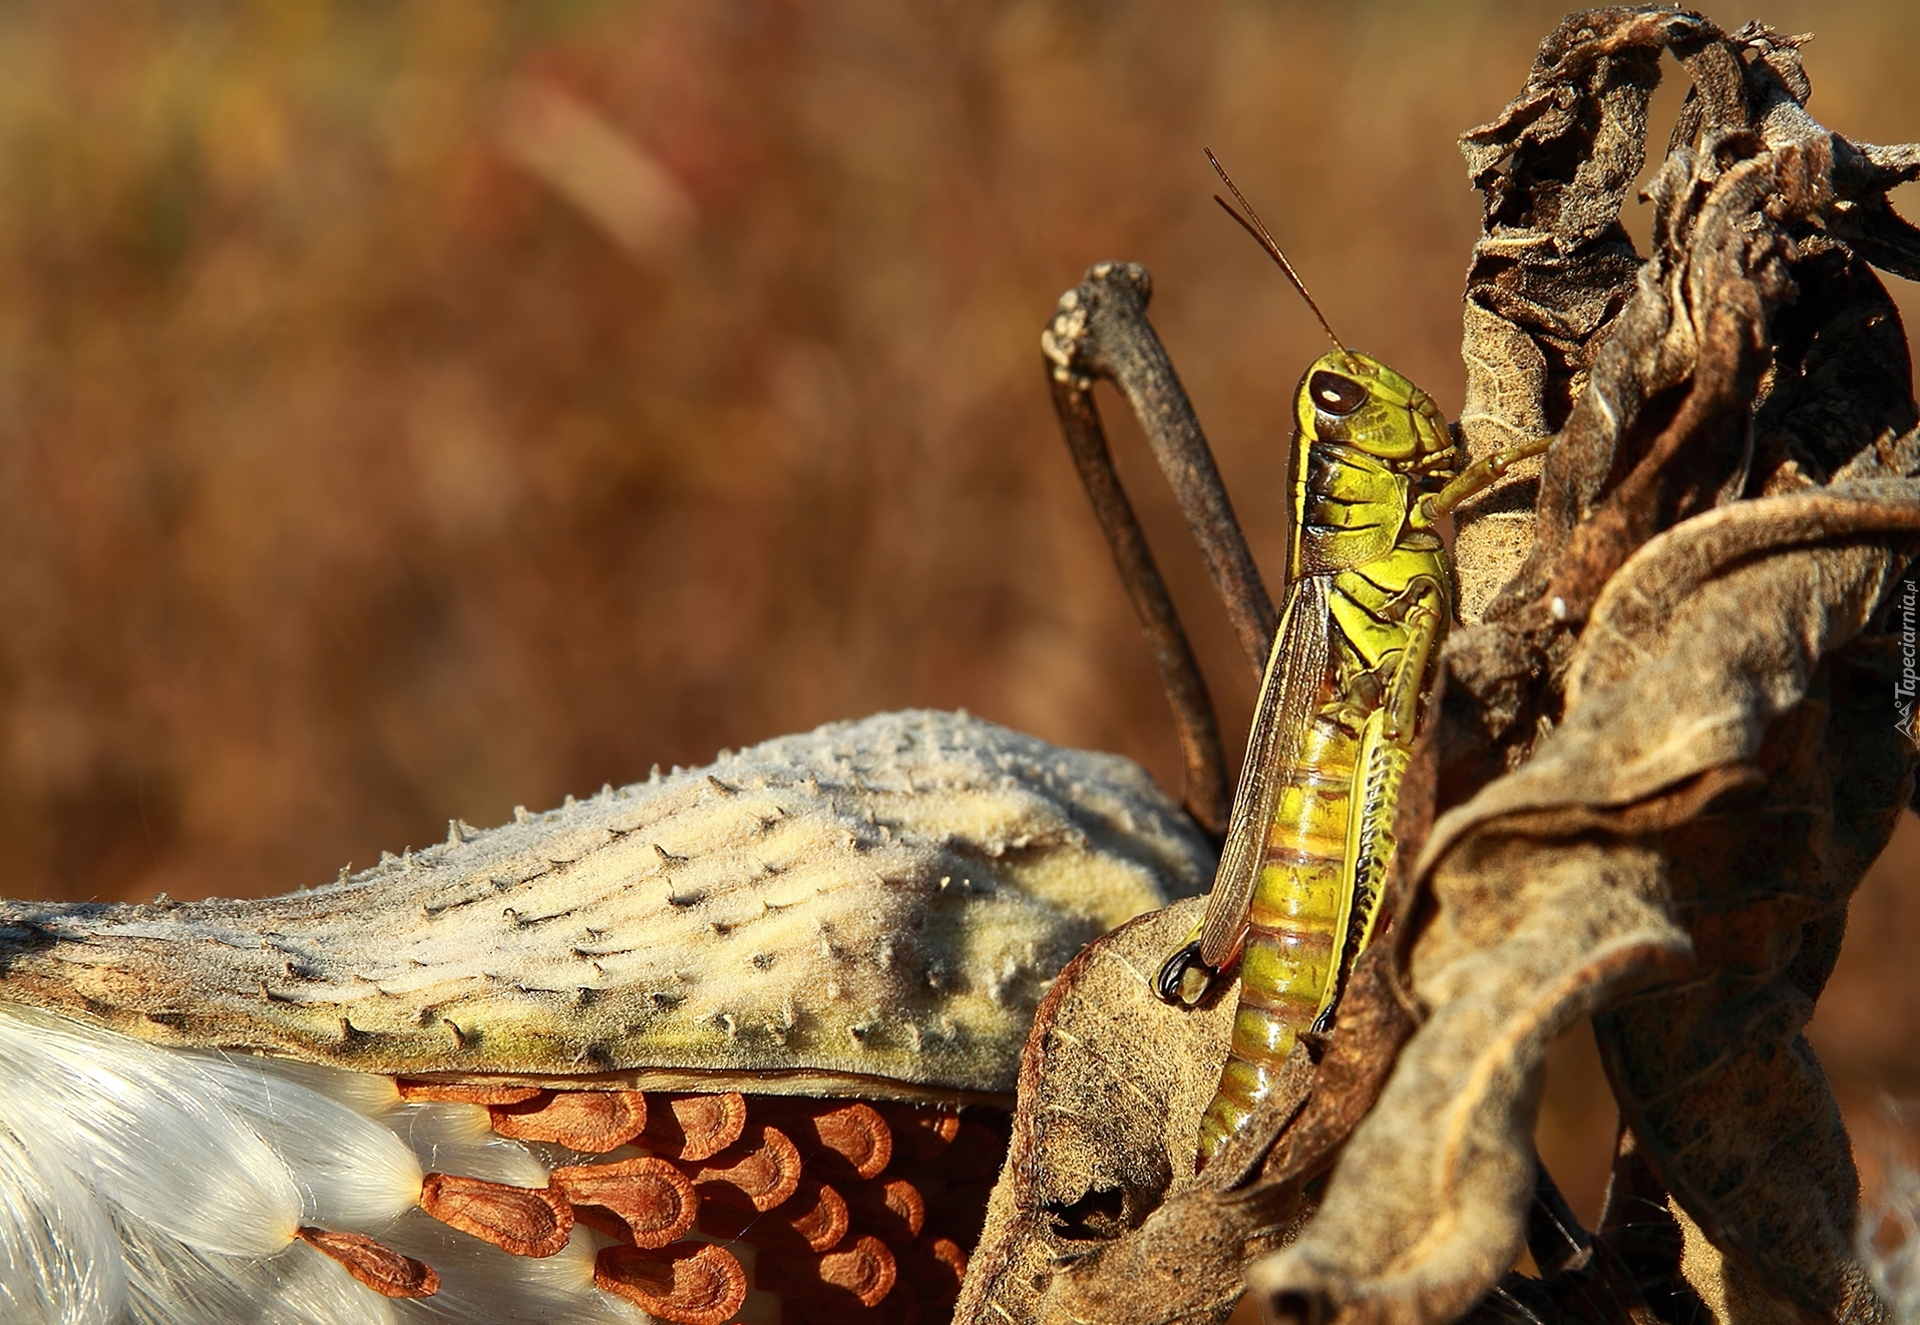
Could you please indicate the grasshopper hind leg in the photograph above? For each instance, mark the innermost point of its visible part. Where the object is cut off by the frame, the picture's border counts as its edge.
(1296, 961)
(1174, 982)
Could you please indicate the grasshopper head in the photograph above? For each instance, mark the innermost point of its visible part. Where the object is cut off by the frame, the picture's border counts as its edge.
(1352, 399)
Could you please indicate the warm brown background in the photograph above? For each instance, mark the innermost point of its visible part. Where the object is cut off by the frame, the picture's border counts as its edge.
(408, 411)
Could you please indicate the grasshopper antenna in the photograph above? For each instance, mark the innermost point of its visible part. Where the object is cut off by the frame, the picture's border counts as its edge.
(1258, 229)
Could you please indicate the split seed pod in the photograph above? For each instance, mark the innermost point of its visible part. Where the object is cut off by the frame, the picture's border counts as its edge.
(868, 912)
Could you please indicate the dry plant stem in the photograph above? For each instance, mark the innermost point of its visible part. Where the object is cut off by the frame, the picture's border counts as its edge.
(1549, 275)
(1208, 793)
(1101, 332)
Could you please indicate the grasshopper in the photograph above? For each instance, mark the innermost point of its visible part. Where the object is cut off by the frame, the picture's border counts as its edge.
(1370, 593)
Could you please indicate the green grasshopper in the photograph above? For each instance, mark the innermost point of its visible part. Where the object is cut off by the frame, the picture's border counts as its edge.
(1370, 592)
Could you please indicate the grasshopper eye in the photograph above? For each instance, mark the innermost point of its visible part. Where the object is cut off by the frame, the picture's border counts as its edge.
(1334, 394)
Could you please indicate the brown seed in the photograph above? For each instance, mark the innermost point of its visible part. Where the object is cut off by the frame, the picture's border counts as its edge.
(847, 1140)
(689, 1283)
(863, 1270)
(694, 1127)
(380, 1268)
(894, 1210)
(975, 1153)
(920, 1131)
(603, 1221)
(934, 1267)
(814, 1219)
(818, 1213)
(526, 1221)
(655, 1200)
(593, 1121)
(416, 1091)
(761, 1171)
(960, 1212)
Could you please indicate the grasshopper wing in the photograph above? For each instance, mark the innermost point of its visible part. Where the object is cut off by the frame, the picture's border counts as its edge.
(1296, 673)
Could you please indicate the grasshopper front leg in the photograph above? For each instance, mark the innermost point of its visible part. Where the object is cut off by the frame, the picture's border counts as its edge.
(1474, 480)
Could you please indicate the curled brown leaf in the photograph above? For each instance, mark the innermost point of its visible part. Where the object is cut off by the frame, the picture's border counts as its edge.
(1683, 680)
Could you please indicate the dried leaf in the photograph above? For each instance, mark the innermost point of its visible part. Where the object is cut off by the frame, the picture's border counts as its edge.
(1551, 272)
(1113, 1083)
(1099, 1215)
(1720, 760)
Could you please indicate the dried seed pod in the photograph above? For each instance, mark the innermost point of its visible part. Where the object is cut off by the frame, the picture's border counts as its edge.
(655, 1201)
(379, 1267)
(811, 929)
(694, 1127)
(415, 1090)
(526, 1221)
(808, 919)
(864, 1271)
(691, 1283)
(846, 1140)
(762, 1172)
(815, 1218)
(894, 1210)
(593, 1121)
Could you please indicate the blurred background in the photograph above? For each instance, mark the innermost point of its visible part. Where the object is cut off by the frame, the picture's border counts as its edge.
(412, 410)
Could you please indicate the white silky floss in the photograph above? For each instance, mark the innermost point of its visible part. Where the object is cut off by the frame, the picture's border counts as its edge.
(149, 1186)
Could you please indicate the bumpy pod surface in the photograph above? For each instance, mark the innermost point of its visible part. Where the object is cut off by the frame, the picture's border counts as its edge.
(872, 908)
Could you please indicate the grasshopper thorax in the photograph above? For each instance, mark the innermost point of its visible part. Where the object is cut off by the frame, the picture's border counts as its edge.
(1351, 399)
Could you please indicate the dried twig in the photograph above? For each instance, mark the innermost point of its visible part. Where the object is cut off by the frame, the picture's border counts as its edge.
(1101, 332)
